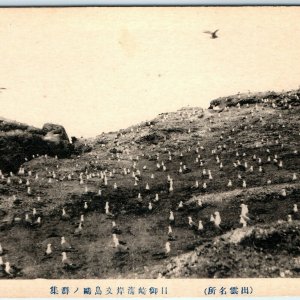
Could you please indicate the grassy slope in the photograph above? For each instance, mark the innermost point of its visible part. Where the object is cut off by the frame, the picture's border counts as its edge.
(144, 232)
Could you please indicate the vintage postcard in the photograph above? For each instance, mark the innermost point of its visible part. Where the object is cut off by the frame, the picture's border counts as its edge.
(150, 152)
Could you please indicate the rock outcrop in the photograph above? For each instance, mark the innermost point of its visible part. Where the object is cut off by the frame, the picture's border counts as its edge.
(19, 142)
(80, 146)
(279, 99)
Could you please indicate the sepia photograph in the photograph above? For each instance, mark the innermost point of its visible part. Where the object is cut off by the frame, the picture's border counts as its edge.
(149, 143)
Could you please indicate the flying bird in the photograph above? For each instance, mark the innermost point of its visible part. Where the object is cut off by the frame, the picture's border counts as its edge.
(212, 33)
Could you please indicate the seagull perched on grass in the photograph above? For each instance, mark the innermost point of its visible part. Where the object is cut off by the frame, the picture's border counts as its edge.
(48, 250)
(200, 226)
(67, 264)
(65, 216)
(65, 246)
(115, 228)
(171, 236)
(163, 254)
(78, 230)
(10, 270)
(217, 219)
(48, 253)
(192, 224)
(171, 217)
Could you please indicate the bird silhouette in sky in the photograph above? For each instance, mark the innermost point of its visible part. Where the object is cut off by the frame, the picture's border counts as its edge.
(212, 33)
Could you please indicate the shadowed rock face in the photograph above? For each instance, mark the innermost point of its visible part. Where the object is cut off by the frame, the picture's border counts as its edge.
(19, 141)
(80, 146)
(55, 133)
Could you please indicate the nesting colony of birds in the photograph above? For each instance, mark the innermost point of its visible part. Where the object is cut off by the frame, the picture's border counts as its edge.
(194, 193)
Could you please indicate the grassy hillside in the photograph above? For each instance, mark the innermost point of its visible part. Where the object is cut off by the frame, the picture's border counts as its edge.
(186, 145)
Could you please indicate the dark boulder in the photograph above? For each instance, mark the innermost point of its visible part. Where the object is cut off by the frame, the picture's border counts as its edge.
(80, 146)
(20, 141)
(55, 132)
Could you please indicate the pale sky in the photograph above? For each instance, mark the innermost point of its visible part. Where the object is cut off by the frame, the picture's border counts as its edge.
(102, 69)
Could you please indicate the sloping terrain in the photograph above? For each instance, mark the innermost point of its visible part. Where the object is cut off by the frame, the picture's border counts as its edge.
(178, 164)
